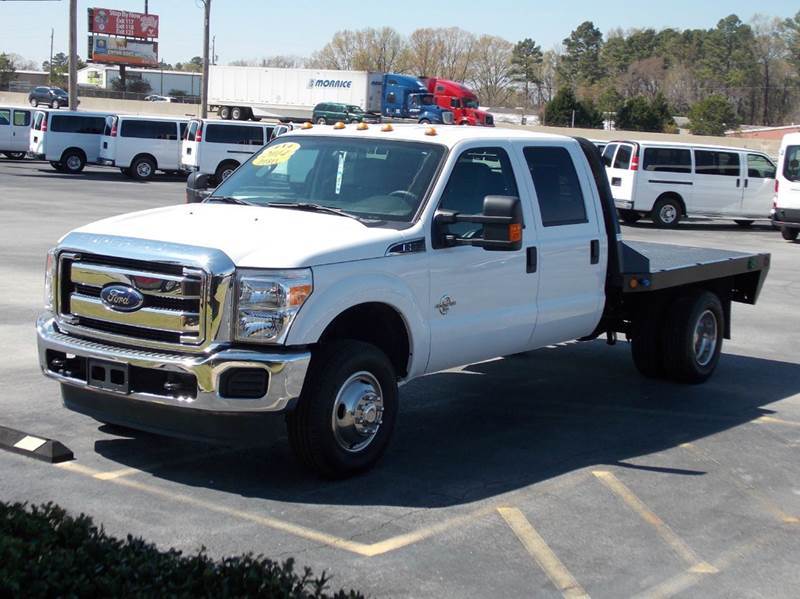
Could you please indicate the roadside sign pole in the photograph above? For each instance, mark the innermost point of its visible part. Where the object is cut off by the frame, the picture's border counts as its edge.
(204, 83)
(73, 54)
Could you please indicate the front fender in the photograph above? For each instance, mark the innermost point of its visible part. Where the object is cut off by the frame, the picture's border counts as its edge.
(333, 295)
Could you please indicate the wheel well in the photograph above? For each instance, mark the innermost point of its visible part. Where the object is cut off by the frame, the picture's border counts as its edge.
(378, 324)
(224, 163)
(145, 155)
(671, 195)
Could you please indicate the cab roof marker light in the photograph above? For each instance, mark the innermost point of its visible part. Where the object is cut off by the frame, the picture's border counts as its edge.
(339, 125)
(430, 131)
(362, 127)
(387, 127)
(307, 125)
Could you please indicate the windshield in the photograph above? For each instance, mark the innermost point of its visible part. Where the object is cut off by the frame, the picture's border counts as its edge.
(59, 92)
(368, 178)
(470, 103)
(791, 165)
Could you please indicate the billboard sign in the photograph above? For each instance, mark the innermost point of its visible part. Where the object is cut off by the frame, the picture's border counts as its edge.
(119, 22)
(120, 50)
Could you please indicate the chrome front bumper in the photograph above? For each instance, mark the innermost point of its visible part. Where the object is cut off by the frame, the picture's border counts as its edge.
(287, 371)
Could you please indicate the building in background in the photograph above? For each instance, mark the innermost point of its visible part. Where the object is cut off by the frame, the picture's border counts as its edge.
(764, 132)
(163, 83)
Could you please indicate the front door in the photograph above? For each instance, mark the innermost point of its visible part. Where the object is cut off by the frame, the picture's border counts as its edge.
(717, 182)
(20, 130)
(482, 303)
(759, 187)
(5, 129)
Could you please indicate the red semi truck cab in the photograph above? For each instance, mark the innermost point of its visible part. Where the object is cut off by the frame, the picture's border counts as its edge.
(461, 100)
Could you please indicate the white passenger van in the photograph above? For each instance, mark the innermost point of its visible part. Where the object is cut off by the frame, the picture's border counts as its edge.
(670, 181)
(15, 126)
(69, 140)
(217, 148)
(141, 145)
(786, 212)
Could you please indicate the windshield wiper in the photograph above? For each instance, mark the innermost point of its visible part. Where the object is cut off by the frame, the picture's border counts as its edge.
(229, 200)
(311, 207)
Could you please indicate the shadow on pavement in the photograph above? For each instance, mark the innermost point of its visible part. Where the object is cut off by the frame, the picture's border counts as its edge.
(496, 427)
(111, 175)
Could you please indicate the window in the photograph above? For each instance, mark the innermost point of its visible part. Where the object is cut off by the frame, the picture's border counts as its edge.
(391, 98)
(183, 126)
(558, 189)
(791, 164)
(760, 167)
(163, 130)
(192, 130)
(235, 134)
(111, 122)
(623, 159)
(608, 154)
(440, 89)
(5, 116)
(90, 125)
(22, 118)
(37, 122)
(708, 162)
(668, 160)
(479, 172)
(455, 103)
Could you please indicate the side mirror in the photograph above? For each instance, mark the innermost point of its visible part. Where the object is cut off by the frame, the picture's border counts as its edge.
(197, 188)
(501, 220)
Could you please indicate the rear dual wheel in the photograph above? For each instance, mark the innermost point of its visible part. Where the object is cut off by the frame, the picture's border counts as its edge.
(15, 155)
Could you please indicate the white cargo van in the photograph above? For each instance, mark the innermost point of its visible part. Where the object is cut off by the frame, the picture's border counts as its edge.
(786, 212)
(69, 140)
(670, 181)
(15, 124)
(217, 148)
(141, 145)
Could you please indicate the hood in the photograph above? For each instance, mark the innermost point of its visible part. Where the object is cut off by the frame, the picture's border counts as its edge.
(255, 237)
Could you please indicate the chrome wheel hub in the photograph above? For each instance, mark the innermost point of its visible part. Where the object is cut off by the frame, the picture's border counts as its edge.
(668, 213)
(73, 163)
(705, 338)
(357, 412)
(143, 169)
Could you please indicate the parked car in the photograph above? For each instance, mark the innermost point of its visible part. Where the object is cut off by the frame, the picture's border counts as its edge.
(157, 98)
(786, 211)
(54, 97)
(141, 145)
(15, 126)
(337, 264)
(216, 147)
(328, 113)
(670, 181)
(68, 140)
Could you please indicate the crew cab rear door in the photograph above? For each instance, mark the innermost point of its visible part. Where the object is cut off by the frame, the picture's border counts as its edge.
(482, 303)
(571, 242)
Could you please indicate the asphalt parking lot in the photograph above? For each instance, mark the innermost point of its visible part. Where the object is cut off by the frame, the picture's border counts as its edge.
(558, 472)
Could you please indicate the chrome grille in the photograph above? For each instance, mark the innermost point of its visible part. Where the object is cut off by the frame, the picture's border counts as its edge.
(174, 299)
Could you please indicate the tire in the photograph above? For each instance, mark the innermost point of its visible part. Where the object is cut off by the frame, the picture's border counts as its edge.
(55, 105)
(743, 223)
(789, 234)
(143, 168)
(322, 431)
(225, 113)
(57, 166)
(34, 102)
(696, 313)
(73, 162)
(667, 213)
(424, 122)
(224, 170)
(629, 217)
(237, 114)
(647, 334)
(322, 121)
(15, 155)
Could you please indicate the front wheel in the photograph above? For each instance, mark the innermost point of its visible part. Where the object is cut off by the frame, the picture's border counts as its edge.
(322, 121)
(346, 413)
(789, 234)
(424, 122)
(667, 213)
(693, 334)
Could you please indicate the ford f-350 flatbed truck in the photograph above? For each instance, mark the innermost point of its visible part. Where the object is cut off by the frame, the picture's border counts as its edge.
(339, 263)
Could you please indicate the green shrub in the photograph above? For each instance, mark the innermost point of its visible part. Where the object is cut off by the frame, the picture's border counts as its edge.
(46, 553)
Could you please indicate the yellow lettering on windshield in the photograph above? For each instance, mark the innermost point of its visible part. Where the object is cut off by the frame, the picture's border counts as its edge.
(276, 154)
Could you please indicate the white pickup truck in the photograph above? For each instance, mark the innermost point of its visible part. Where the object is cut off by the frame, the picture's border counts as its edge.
(340, 262)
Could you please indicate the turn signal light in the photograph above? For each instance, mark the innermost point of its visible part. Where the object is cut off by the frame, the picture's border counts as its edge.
(339, 125)
(515, 232)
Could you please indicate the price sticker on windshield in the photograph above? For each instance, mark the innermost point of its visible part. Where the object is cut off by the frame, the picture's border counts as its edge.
(276, 154)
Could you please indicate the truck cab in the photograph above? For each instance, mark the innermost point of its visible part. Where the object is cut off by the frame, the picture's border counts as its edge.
(461, 100)
(407, 97)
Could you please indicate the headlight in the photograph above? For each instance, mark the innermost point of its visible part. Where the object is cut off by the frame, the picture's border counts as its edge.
(49, 279)
(267, 303)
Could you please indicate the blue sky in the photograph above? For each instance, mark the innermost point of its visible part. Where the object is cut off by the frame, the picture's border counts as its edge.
(256, 28)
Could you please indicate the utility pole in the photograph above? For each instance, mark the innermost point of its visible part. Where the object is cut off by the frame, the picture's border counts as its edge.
(204, 83)
(73, 54)
(145, 7)
(214, 50)
(52, 33)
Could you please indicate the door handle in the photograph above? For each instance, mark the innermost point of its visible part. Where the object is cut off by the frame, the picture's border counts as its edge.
(746, 183)
(738, 181)
(532, 260)
(594, 251)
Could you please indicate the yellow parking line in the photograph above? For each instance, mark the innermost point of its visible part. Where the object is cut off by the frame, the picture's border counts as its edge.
(541, 552)
(364, 549)
(766, 503)
(677, 544)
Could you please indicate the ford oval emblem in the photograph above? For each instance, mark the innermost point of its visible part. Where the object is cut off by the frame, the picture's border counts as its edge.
(122, 298)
